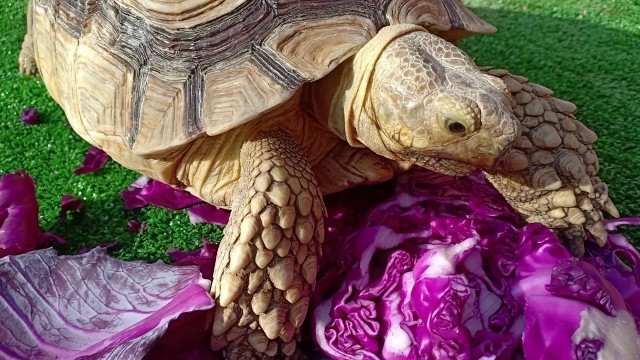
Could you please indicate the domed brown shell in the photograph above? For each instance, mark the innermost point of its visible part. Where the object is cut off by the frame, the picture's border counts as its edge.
(156, 74)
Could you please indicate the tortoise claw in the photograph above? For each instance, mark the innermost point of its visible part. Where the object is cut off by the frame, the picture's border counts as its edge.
(599, 232)
(610, 207)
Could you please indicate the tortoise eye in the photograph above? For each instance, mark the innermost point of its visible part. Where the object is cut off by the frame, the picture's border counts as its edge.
(457, 128)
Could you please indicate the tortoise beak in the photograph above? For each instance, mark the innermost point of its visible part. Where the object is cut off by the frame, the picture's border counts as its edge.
(487, 155)
(492, 147)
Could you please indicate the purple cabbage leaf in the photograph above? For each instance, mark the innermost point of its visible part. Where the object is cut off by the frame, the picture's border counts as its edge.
(204, 258)
(145, 191)
(69, 203)
(136, 226)
(30, 116)
(207, 213)
(441, 269)
(187, 338)
(91, 305)
(19, 227)
(94, 160)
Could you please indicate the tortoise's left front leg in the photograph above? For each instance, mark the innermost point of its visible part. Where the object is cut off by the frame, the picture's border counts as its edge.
(550, 173)
(268, 259)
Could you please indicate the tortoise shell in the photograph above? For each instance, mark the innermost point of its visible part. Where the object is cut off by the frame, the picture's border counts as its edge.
(155, 74)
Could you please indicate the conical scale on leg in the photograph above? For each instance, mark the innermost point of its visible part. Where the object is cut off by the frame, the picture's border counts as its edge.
(281, 272)
(271, 322)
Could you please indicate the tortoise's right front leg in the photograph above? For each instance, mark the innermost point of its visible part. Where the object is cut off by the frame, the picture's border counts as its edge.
(268, 259)
(27, 59)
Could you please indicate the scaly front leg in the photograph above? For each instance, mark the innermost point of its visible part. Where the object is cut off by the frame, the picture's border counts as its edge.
(550, 173)
(268, 259)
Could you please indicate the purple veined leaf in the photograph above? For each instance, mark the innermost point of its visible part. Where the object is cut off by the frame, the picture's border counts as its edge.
(454, 273)
(30, 116)
(207, 213)
(94, 160)
(19, 227)
(136, 226)
(157, 193)
(91, 305)
(204, 258)
(69, 203)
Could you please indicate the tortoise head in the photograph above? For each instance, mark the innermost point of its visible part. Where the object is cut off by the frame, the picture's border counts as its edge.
(428, 103)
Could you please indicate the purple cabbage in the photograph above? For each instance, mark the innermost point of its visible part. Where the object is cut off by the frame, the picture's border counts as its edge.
(441, 269)
(91, 306)
(136, 226)
(30, 116)
(207, 213)
(187, 338)
(204, 258)
(69, 203)
(19, 228)
(94, 160)
(131, 196)
(444, 269)
(145, 191)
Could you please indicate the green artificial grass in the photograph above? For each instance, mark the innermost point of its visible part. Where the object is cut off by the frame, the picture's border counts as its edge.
(587, 51)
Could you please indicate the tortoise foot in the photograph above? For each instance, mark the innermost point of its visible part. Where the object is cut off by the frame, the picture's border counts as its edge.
(268, 259)
(27, 59)
(550, 173)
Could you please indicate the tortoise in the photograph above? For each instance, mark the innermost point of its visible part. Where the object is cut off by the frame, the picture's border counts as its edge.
(263, 107)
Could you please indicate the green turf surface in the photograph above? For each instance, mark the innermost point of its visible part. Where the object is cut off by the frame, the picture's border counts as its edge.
(587, 51)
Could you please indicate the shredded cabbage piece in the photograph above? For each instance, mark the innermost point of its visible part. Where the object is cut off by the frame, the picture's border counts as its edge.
(444, 269)
(94, 160)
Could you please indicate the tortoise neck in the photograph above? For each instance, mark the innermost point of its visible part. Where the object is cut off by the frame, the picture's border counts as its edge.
(327, 98)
